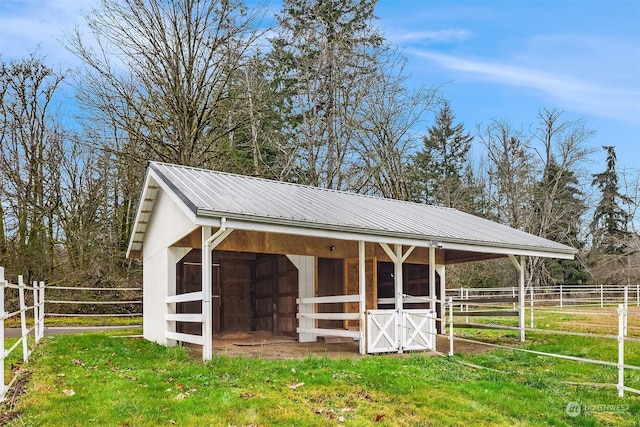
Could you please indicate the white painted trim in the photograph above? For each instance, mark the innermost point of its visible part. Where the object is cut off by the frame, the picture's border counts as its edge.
(177, 200)
(193, 339)
(184, 317)
(191, 296)
(388, 251)
(406, 254)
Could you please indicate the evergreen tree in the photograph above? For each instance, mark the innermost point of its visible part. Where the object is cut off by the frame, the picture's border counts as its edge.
(568, 207)
(323, 58)
(610, 221)
(440, 166)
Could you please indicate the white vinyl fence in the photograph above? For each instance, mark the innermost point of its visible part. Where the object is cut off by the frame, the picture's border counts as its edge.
(37, 328)
(500, 299)
(111, 299)
(38, 309)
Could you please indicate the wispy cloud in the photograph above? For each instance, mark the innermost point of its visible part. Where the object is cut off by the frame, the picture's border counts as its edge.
(441, 36)
(28, 24)
(566, 90)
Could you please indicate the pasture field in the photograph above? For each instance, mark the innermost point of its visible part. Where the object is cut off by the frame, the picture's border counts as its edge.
(102, 379)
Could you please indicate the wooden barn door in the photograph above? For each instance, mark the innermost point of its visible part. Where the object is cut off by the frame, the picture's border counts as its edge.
(236, 278)
(265, 313)
(352, 286)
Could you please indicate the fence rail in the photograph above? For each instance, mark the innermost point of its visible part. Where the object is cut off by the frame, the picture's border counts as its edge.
(559, 296)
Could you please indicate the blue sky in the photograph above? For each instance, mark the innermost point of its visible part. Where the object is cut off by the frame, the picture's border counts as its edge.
(497, 59)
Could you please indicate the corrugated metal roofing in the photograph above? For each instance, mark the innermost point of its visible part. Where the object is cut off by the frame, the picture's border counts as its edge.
(214, 194)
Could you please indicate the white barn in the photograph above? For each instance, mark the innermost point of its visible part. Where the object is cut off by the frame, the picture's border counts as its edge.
(304, 261)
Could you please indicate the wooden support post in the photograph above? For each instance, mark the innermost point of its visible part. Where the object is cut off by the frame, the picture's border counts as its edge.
(209, 243)
(441, 270)
(450, 326)
(432, 278)
(398, 282)
(518, 263)
(362, 280)
(207, 317)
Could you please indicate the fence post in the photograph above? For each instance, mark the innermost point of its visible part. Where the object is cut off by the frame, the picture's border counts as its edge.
(23, 320)
(620, 351)
(513, 294)
(560, 295)
(450, 326)
(626, 311)
(601, 295)
(2, 317)
(531, 306)
(41, 309)
(461, 297)
(638, 295)
(466, 306)
(36, 317)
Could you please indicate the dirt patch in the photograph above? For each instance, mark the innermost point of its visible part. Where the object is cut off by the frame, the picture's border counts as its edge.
(12, 396)
(263, 344)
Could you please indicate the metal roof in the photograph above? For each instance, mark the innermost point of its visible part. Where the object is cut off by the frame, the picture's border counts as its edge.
(211, 194)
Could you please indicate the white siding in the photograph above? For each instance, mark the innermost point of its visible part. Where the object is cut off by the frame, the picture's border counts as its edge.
(167, 224)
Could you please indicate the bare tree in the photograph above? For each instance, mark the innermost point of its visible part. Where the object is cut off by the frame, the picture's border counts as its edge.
(510, 170)
(32, 144)
(161, 72)
(386, 121)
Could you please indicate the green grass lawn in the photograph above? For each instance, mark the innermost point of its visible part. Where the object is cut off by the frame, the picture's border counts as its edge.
(100, 379)
(96, 379)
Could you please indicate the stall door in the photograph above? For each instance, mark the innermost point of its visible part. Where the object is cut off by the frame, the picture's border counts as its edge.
(236, 278)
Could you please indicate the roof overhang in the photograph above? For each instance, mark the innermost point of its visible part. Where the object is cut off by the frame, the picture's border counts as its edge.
(343, 233)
